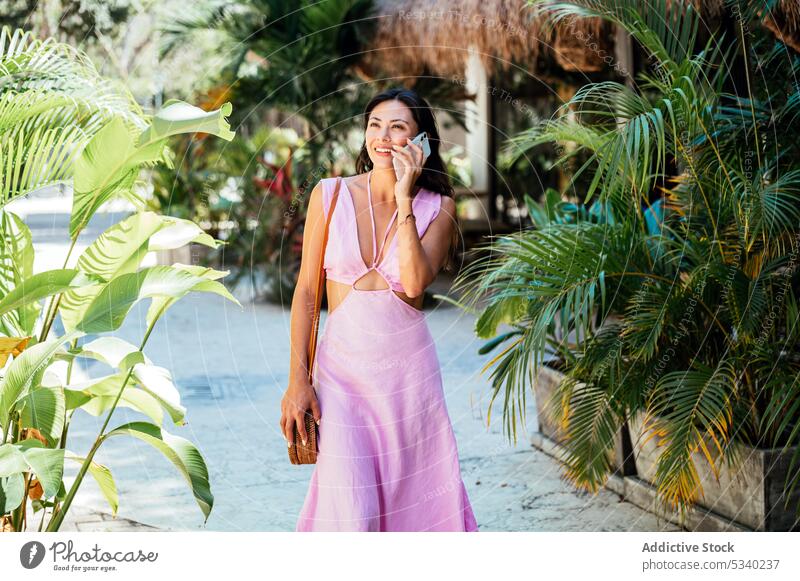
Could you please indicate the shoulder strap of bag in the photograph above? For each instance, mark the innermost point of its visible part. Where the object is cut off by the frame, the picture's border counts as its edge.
(312, 340)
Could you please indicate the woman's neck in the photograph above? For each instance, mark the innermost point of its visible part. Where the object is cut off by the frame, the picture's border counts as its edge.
(382, 182)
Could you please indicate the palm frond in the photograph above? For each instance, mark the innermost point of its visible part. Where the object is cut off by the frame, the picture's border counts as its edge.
(667, 29)
(694, 409)
(52, 101)
(590, 423)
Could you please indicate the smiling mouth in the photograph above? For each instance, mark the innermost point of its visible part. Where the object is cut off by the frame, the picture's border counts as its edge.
(382, 150)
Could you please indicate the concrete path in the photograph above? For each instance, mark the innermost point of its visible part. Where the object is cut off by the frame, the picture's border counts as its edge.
(231, 367)
(81, 519)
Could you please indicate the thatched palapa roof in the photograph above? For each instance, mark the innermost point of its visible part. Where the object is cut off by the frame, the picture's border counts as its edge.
(415, 36)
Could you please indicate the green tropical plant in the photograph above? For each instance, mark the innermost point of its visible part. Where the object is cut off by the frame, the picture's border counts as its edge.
(289, 57)
(98, 142)
(249, 187)
(52, 102)
(299, 58)
(269, 218)
(675, 283)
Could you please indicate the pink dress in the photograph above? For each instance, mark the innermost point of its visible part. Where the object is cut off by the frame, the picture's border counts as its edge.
(387, 457)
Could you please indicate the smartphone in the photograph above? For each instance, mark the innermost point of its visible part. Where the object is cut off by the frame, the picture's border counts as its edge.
(422, 141)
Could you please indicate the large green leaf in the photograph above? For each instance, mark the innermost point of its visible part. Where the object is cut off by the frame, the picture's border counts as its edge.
(177, 232)
(12, 489)
(31, 455)
(121, 249)
(502, 310)
(157, 381)
(105, 480)
(96, 397)
(16, 265)
(12, 461)
(132, 398)
(161, 304)
(110, 350)
(44, 408)
(182, 453)
(45, 284)
(46, 463)
(177, 117)
(109, 309)
(110, 163)
(102, 171)
(22, 371)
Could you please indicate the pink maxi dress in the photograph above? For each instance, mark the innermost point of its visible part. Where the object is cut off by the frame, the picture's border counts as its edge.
(387, 457)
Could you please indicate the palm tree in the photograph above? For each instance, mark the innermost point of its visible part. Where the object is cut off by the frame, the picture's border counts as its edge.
(680, 286)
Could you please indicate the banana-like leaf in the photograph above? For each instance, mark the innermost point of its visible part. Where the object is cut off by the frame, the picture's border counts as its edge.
(103, 170)
(132, 398)
(12, 461)
(45, 284)
(44, 408)
(502, 310)
(12, 489)
(176, 232)
(105, 480)
(31, 455)
(157, 381)
(46, 463)
(16, 265)
(96, 397)
(110, 350)
(110, 163)
(22, 371)
(121, 249)
(162, 303)
(109, 309)
(177, 117)
(182, 453)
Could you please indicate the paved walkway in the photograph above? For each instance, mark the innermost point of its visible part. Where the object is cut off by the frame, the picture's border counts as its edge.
(231, 367)
(82, 519)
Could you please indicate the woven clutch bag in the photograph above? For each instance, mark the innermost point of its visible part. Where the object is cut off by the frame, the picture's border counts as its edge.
(298, 453)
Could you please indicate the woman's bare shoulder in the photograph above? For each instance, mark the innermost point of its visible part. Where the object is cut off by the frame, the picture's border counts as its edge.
(355, 181)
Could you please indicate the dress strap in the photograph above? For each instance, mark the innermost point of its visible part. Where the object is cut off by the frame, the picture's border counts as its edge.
(371, 216)
(385, 234)
(375, 250)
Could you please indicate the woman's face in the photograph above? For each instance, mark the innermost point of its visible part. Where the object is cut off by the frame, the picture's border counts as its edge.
(390, 122)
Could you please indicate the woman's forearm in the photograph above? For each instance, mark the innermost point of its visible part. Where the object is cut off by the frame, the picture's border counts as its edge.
(300, 332)
(415, 271)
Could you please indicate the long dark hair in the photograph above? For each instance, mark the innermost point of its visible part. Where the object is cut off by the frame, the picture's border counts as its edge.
(434, 176)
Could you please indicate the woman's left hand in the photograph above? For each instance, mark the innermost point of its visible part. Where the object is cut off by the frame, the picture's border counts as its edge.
(410, 162)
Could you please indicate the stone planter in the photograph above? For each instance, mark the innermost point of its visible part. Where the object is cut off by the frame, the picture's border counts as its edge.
(750, 494)
(544, 386)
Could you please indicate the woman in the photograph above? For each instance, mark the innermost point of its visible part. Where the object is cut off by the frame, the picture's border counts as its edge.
(387, 457)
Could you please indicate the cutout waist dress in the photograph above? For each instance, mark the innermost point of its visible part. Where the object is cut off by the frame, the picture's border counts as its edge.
(388, 458)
